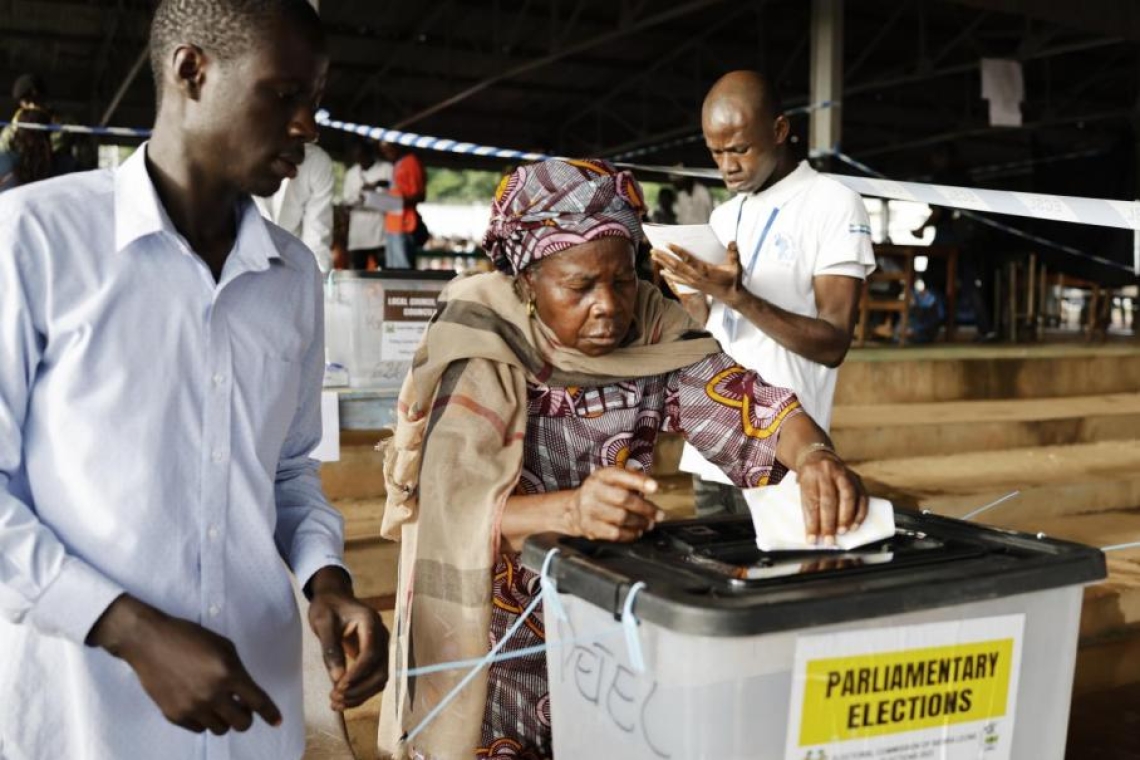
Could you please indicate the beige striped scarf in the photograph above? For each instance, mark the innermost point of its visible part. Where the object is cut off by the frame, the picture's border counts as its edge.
(453, 461)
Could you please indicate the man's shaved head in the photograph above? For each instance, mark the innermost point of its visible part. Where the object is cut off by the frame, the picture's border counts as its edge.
(743, 93)
(746, 131)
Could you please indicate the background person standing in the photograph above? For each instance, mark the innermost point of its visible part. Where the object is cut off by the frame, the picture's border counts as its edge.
(303, 206)
(409, 181)
(365, 224)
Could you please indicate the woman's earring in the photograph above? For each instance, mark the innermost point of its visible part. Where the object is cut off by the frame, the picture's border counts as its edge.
(530, 308)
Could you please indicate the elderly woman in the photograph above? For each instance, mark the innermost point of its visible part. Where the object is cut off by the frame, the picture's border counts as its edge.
(533, 405)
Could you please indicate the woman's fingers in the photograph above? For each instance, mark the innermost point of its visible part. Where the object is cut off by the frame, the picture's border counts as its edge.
(833, 498)
(848, 501)
(613, 507)
(809, 503)
(862, 505)
(828, 510)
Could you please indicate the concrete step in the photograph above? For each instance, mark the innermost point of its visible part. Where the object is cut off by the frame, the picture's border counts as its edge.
(884, 431)
(1111, 608)
(963, 372)
(1054, 481)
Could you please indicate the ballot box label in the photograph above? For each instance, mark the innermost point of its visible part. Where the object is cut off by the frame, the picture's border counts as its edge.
(940, 690)
(406, 317)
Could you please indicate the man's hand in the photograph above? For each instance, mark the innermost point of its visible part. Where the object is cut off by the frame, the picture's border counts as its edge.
(348, 629)
(610, 505)
(723, 282)
(833, 498)
(192, 674)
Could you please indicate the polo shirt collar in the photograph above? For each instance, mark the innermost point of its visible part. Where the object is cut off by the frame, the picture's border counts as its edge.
(791, 185)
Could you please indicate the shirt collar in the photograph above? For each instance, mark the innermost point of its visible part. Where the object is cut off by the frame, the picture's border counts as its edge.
(139, 213)
(779, 193)
(138, 210)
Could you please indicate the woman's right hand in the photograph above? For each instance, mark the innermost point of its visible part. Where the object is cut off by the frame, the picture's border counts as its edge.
(610, 505)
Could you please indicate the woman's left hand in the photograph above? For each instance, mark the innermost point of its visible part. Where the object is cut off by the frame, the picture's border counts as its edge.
(832, 496)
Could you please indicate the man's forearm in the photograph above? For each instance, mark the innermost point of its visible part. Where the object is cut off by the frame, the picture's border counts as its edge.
(810, 337)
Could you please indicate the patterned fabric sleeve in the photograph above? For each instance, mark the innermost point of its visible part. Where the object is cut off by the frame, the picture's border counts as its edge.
(731, 416)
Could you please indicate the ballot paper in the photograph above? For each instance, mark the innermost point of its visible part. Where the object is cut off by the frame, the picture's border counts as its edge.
(697, 239)
(383, 201)
(779, 520)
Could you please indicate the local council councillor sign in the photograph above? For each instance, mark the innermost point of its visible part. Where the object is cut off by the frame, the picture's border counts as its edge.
(940, 690)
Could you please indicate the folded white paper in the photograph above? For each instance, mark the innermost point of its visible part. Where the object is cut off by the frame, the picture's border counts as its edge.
(779, 519)
(383, 201)
(697, 239)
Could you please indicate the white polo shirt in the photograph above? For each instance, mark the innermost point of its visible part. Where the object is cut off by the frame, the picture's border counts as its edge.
(803, 226)
(303, 206)
(365, 225)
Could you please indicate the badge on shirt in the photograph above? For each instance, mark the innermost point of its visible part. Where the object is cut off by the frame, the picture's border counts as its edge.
(785, 252)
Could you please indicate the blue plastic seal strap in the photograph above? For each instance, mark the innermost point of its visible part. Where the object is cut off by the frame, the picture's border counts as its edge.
(550, 589)
(629, 624)
(482, 663)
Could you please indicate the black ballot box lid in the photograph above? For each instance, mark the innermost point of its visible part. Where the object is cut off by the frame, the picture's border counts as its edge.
(707, 577)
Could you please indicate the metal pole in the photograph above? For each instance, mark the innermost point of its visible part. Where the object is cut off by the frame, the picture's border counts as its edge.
(826, 76)
(127, 82)
(1136, 251)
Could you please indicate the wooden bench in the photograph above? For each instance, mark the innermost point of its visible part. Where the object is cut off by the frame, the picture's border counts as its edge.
(905, 275)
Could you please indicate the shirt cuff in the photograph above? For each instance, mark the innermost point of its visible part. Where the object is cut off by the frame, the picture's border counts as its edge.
(74, 601)
(313, 553)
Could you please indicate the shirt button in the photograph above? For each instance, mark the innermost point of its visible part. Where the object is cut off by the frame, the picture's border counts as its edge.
(212, 532)
(218, 456)
(214, 610)
(219, 378)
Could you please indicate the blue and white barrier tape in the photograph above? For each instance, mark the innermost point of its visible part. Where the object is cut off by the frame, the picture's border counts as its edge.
(424, 142)
(1094, 211)
(80, 130)
(1060, 208)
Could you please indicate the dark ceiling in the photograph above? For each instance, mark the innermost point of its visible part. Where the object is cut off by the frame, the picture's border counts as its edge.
(600, 77)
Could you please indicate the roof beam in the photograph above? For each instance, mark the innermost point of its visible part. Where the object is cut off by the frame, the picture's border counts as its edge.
(546, 60)
(646, 72)
(926, 142)
(1117, 18)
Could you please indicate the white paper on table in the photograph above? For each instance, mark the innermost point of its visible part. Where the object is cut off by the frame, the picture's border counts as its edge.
(779, 519)
(383, 201)
(697, 239)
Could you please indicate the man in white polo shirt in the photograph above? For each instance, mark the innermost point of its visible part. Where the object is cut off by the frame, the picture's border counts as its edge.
(786, 300)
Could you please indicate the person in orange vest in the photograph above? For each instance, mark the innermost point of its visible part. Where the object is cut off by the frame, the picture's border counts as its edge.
(409, 181)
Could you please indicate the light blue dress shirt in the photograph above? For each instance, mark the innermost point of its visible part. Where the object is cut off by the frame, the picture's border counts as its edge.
(155, 427)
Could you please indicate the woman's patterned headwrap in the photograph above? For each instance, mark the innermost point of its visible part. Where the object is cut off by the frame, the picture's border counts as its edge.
(541, 209)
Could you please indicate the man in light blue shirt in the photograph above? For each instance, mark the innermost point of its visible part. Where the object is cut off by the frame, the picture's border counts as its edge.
(160, 368)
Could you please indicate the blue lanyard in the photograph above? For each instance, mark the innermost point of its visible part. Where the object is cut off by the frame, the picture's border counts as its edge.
(763, 235)
(730, 319)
